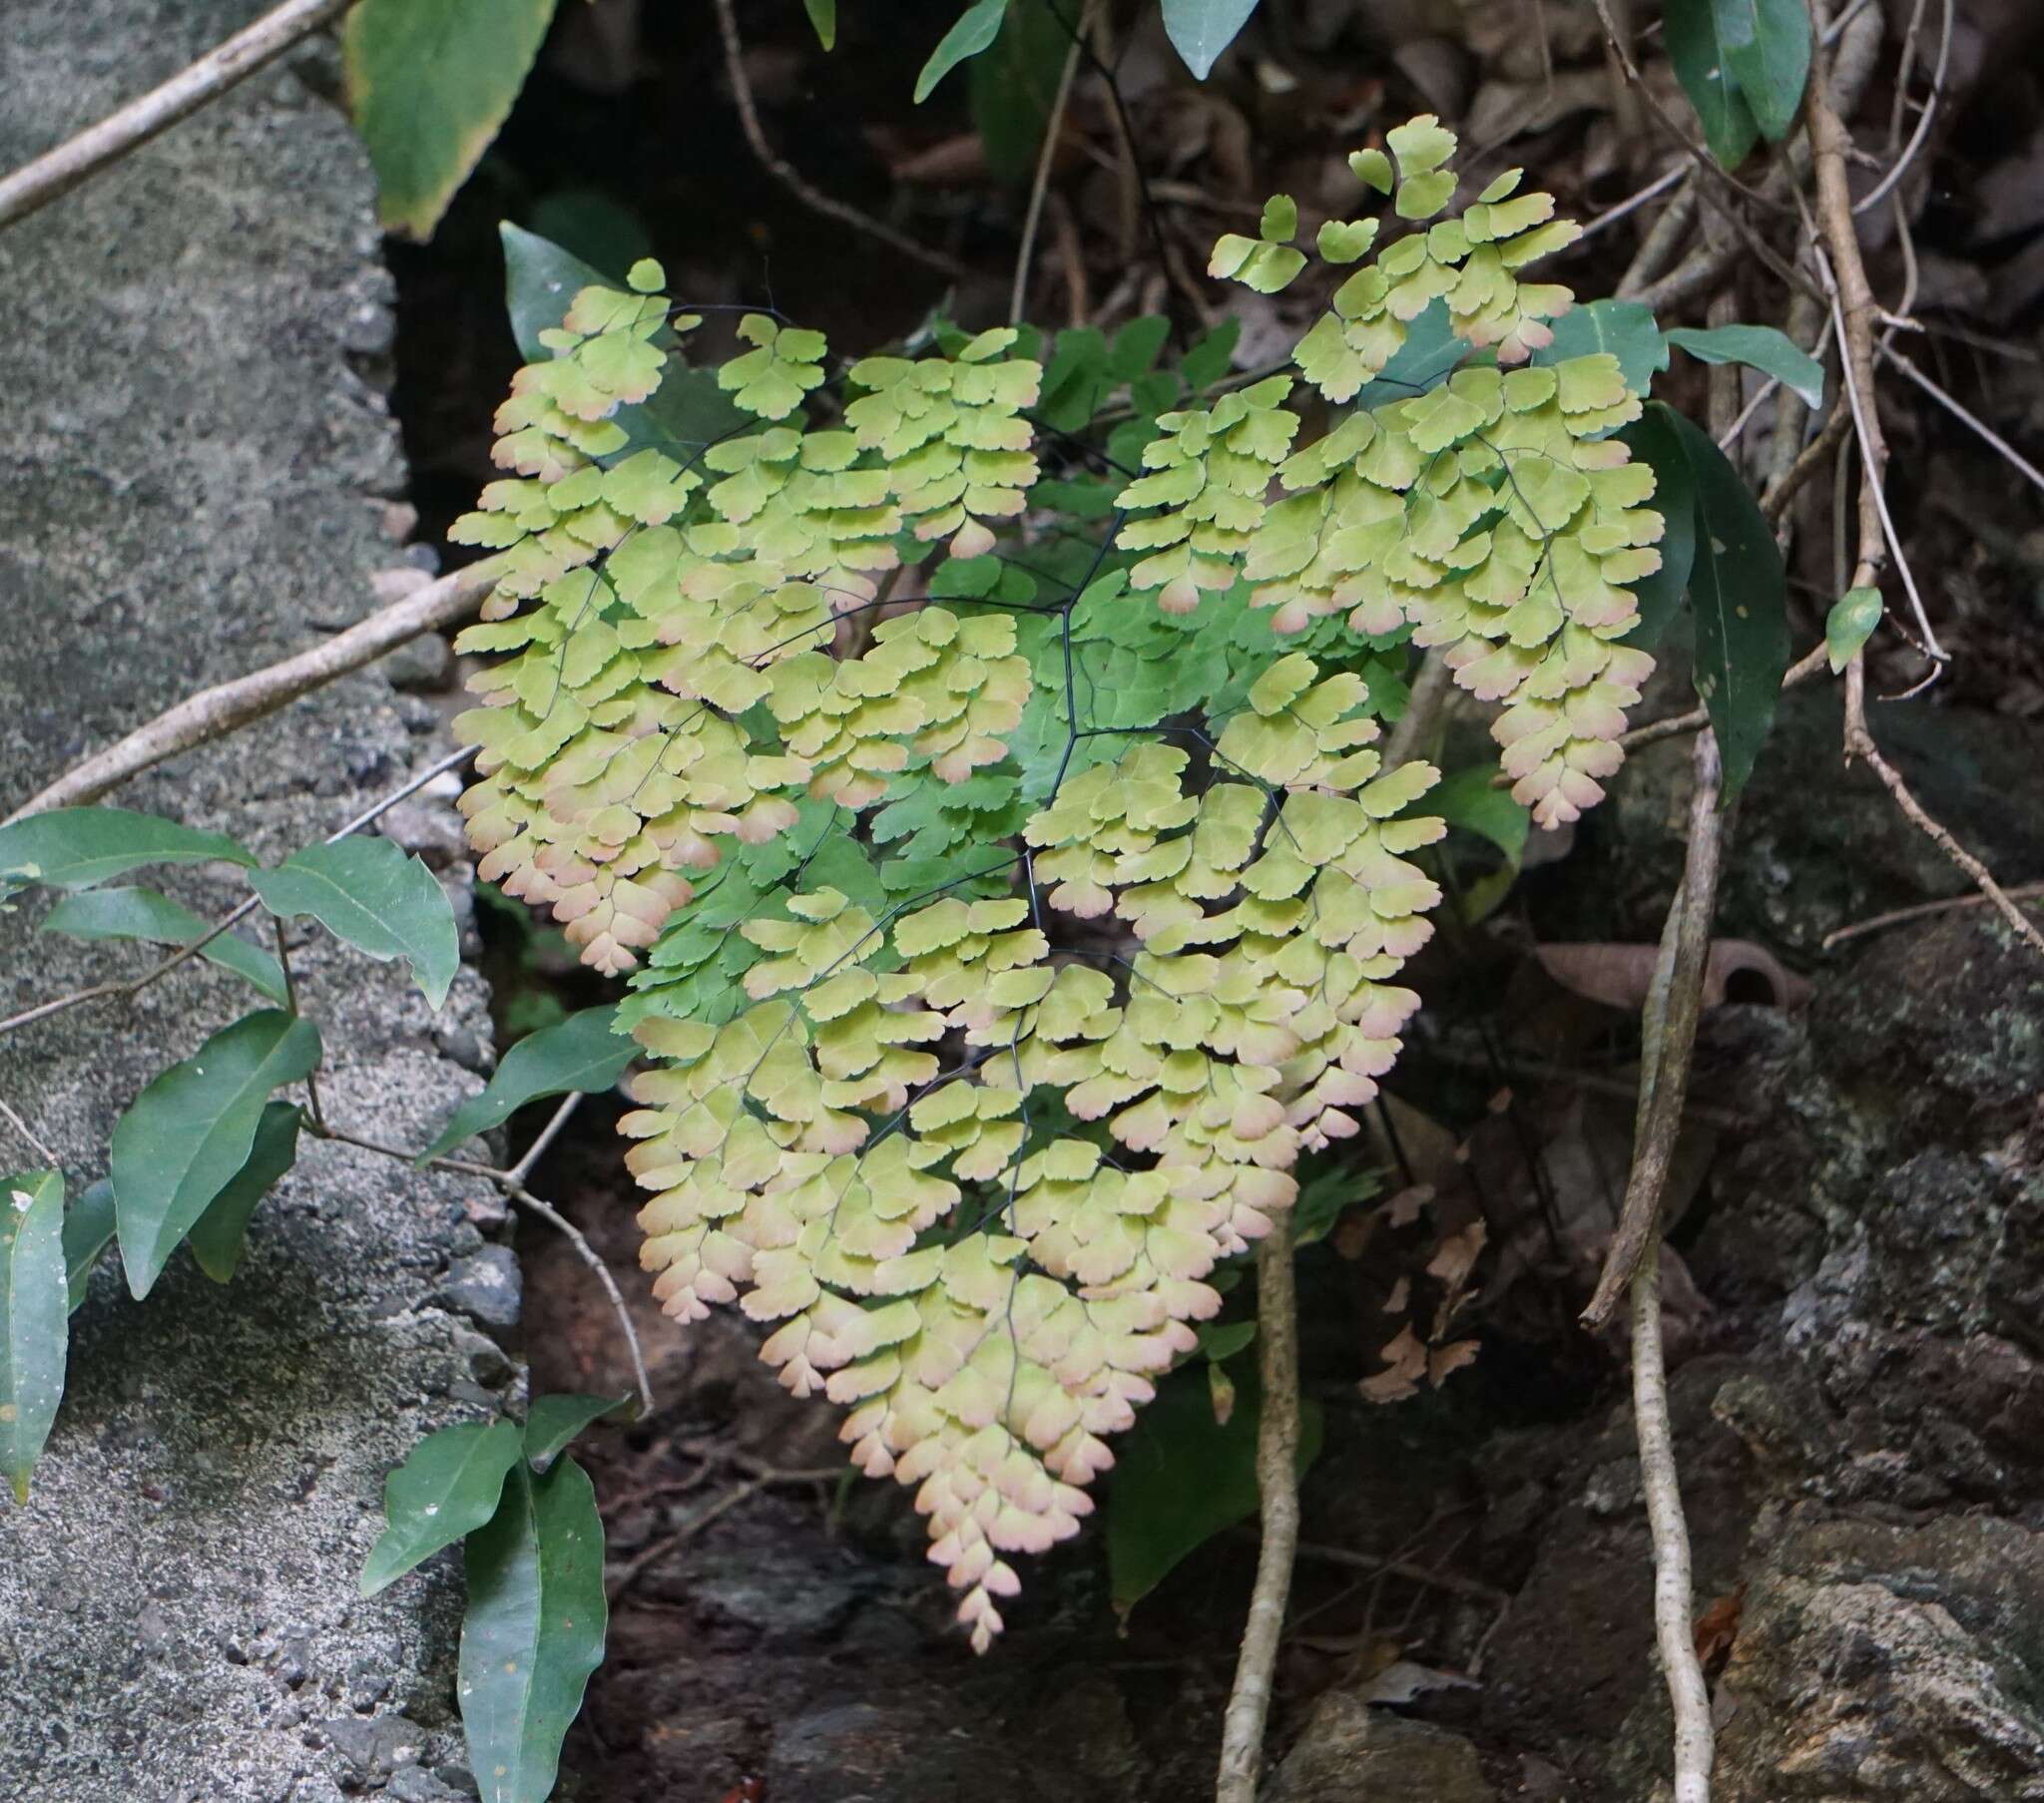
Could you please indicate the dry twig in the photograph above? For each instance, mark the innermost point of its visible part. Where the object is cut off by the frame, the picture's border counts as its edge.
(1249, 1704)
(1053, 133)
(793, 178)
(213, 712)
(1895, 917)
(58, 172)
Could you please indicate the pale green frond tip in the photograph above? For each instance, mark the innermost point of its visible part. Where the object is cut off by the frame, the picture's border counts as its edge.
(1849, 625)
(646, 277)
(1279, 223)
(1345, 240)
(1373, 168)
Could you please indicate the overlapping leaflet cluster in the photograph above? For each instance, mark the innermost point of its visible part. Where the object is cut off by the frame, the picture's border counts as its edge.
(975, 1164)
(1493, 513)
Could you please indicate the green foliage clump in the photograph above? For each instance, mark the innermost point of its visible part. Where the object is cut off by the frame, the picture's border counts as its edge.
(1014, 920)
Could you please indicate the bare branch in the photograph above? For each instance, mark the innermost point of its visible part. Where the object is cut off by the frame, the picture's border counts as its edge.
(1249, 1704)
(1053, 132)
(213, 712)
(36, 185)
(1670, 1021)
(792, 178)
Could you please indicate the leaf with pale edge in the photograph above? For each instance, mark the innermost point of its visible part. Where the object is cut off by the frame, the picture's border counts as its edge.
(450, 1485)
(1760, 348)
(88, 1231)
(553, 1421)
(534, 1629)
(429, 82)
(367, 892)
(581, 1053)
(1739, 596)
(1154, 1517)
(187, 1135)
(35, 1318)
(217, 1235)
(1200, 30)
(77, 847)
(976, 28)
(143, 914)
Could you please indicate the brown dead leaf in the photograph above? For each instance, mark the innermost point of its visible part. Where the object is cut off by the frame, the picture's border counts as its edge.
(1406, 1359)
(1404, 1208)
(1717, 1628)
(1619, 976)
(1457, 1256)
(1402, 1293)
(1442, 1362)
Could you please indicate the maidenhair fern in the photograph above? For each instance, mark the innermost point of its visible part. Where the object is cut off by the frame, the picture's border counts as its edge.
(1012, 924)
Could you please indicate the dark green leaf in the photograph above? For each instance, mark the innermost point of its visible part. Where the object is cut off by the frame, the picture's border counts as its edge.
(977, 27)
(1851, 624)
(367, 892)
(77, 847)
(1222, 1340)
(584, 1054)
(1653, 441)
(217, 1235)
(534, 1629)
(1213, 356)
(1765, 45)
(429, 82)
(1468, 799)
(1760, 348)
(88, 1231)
(35, 1318)
(1625, 328)
(1200, 30)
(1181, 1477)
(1076, 380)
(1739, 596)
(191, 1129)
(553, 1421)
(1012, 88)
(143, 914)
(1706, 76)
(449, 1487)
(1136, 347)
(1325, 1196)
(824, 15)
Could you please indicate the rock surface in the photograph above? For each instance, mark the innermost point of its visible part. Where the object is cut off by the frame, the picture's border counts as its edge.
(190, 490)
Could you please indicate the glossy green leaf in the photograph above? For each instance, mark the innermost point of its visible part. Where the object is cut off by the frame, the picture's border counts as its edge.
(1431, 351)
(88, 1231)
(1849, 625)
(368, 893)
(553, 1421)
(1651, 440)
(1706, 75)
(78, 847)
(1625, 328)
(1765, 46)
(976, 28)
(581, 1053)
(1760, 348)
(541, 281)
(824, 15)
(143, 914)
(1739, 596)
(534, 1629)
(217, 1235)
(450, 1485)
(1076, 380)
(1223, 1339)
(189, 1135)
(35, 1318)
(1155, 1517)
(1200, 30)
(429, 82)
